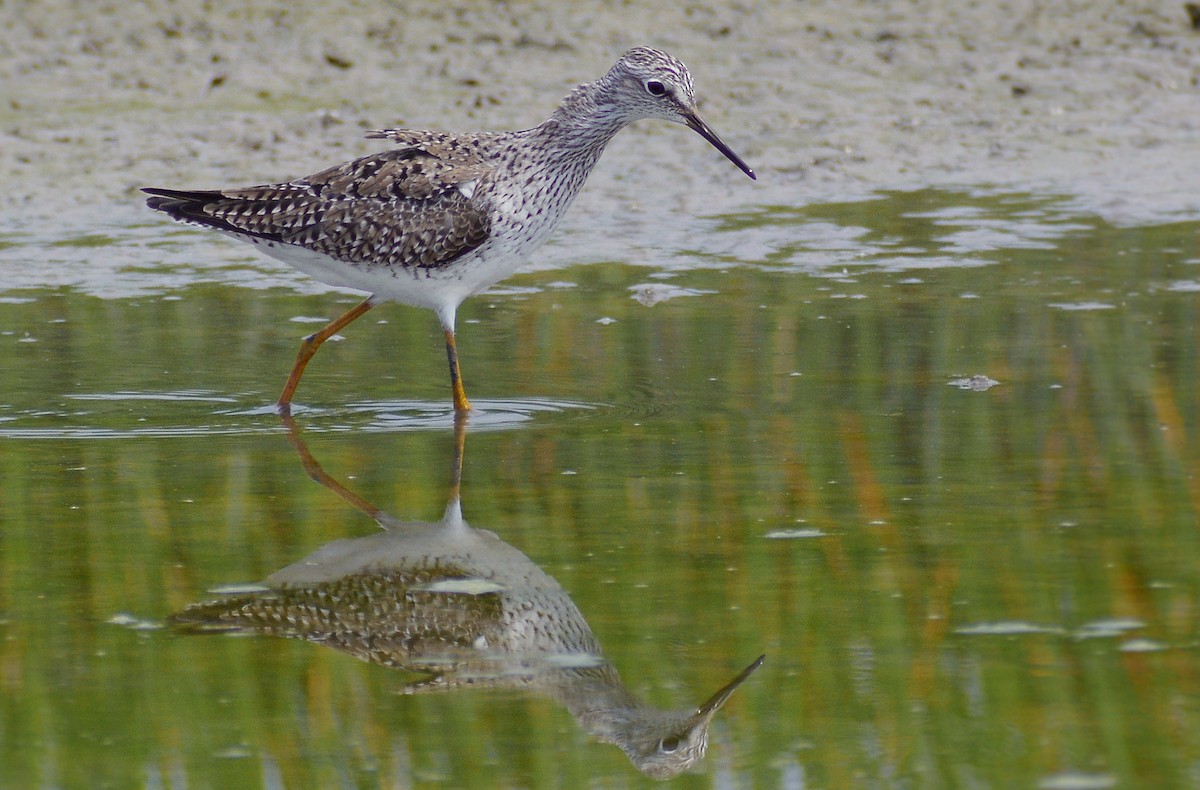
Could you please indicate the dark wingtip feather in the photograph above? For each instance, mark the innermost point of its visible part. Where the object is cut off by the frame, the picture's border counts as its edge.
(177, 202)
(189, 206)
(184, 194)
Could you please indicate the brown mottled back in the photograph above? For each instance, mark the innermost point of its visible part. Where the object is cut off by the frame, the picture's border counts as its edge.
(418, 206)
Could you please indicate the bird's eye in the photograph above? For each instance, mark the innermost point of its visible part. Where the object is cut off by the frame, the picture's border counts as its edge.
(655, 88)
(668, 745)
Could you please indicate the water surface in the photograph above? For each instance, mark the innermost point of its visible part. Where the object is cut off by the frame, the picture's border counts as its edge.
(934, 453)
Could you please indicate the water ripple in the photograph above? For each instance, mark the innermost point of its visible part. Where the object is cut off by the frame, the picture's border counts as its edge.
(112, 416)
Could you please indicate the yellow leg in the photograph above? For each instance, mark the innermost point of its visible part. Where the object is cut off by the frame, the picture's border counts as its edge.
(461, 404)
(309, 346)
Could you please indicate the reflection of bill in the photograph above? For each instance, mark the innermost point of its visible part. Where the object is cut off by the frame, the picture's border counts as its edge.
(464, 609)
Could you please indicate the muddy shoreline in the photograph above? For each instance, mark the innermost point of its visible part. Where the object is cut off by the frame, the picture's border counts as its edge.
(827, 100)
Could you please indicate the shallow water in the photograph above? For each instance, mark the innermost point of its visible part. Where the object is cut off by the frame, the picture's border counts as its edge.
(768, 440)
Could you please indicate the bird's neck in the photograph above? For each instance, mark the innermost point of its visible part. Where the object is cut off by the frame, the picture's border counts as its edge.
(586, 120)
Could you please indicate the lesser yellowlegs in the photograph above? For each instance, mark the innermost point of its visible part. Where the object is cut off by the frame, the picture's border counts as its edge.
(465, 610)
(443, 216)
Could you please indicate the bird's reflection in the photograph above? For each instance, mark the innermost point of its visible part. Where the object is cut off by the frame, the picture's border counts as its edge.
(464, 609)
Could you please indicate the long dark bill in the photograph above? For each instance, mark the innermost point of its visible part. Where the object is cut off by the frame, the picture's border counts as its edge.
(700, 127)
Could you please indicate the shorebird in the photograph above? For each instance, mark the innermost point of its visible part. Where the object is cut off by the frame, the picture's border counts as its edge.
(462, 609)
(443, 216)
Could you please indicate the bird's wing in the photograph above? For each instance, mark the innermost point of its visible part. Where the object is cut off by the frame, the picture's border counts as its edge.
(422, 205)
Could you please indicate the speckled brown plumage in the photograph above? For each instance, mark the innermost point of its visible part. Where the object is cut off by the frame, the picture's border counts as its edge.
(398, 618)
(401, 208)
